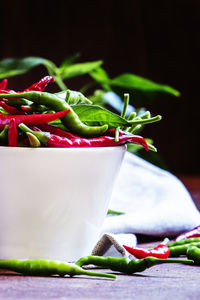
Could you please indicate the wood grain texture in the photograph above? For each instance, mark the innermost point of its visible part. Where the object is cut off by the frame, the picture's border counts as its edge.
(159, 282)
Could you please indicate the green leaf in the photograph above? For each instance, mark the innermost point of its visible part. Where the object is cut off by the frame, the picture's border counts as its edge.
(110, 98)
(68, 61)
(101, 76)
(12, 67)
(98, 97)
(131, 81)
(95, 115)
(78, 69)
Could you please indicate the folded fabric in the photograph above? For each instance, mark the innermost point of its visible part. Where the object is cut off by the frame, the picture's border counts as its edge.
(112, 244)
(154, 202)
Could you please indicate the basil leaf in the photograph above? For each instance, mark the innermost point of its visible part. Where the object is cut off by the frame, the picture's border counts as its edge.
(78, 69)
(110, 98)
(68, 61)
(100, 75)
(94, 115)
(98, 97)
(131, 81)
(12, 67)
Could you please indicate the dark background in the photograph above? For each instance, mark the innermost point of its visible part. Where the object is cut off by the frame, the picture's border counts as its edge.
(155, 39)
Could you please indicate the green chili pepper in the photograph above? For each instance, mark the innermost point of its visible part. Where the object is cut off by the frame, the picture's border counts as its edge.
(142, 121)
(124, 265)
(178, 250)
(45, 267)
(36, 108)
(72, 122)
(193, 252)
(4, 135)
(186, 241)
(114, 212)
(19, 102)
(132, 116)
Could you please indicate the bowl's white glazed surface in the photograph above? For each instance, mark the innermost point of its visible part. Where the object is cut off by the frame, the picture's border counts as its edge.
(54, 201)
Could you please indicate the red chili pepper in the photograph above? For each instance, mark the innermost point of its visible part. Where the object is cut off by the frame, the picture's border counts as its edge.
(12, 134)
(195, 232)
(3, 91)
(52, 140)
(58, 131)
(31, 119)
(160, 251)
(10, 109)
(40, 85)
(3, 84)
(102, 141)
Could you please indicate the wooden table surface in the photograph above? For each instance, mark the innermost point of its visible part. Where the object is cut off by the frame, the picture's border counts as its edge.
(159, 282)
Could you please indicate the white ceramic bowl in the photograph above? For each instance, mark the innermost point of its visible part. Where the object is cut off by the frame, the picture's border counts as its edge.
(53, 201)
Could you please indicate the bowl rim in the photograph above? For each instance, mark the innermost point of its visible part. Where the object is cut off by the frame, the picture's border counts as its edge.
(67, 149)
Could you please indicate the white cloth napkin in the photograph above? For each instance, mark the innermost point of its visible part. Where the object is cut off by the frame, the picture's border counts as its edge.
(154, 202)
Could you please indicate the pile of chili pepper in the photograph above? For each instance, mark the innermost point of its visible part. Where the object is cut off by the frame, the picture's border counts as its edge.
(146, 258)
(25, 121)
(143, 259)
(174, 248)
(179, 245)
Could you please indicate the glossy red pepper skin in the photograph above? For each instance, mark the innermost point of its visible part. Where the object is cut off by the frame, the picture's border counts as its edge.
(57, 131)
(40, 85)
(102, 141)
(10, 109)
(160, 251)
(3, 84)
(12, 134)
(31, 119)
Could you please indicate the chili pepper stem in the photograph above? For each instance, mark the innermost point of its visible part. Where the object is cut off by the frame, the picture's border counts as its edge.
(41, 136)
(165, 241)
(146, 121)
(117, 134)
(126, 102)
(96, 274)
(152, 261)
